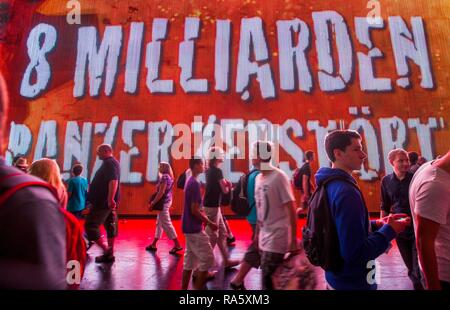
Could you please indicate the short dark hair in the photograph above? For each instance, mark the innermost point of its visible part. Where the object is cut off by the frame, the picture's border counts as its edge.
(413, 157)
(77, 169)
(309, 155)
(339, 139)
(194, 161)
(16, 158)
(264, 151)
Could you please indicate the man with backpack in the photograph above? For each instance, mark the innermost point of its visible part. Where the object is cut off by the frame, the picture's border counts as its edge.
(348, 249)
(302, 180)
(33, 238)
(251, 257)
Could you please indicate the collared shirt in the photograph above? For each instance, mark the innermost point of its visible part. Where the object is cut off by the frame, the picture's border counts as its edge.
(394, 194)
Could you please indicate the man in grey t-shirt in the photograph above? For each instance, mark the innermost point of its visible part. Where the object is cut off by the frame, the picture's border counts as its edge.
(429, 198)
(277, 221)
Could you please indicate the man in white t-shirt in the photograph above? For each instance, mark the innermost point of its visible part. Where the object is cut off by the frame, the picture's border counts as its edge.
(429, 196)
(275, 205)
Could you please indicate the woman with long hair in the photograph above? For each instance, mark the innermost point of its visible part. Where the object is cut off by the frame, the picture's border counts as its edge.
(48, 170)
(163, 221)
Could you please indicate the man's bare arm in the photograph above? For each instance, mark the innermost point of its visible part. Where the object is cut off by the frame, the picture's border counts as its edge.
(427, 231)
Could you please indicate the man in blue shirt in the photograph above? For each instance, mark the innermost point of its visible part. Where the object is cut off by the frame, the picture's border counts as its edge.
(360, 240)
(77, 187)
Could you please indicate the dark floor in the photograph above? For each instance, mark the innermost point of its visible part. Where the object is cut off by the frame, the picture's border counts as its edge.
(137, 269)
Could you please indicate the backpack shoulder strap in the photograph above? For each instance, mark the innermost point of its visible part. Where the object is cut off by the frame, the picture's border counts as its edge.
(334, 178)
(253, 171)
(330, 179)
(19, 181)
(244, 180)
(324, 184)
(243, 184)
(250, 173)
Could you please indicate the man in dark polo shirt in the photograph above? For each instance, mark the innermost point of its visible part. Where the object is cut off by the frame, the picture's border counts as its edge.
(104, 197)
(395, 199)
(33, 230)
(302, 181)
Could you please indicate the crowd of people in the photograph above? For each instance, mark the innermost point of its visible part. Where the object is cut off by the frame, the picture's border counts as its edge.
(415, 211)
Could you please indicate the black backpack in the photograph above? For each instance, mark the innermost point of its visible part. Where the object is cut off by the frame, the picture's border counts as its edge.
(320, 239)
(239, 201)
(297, 179)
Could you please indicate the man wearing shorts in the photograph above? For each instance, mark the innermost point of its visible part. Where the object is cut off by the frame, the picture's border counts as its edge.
(198, 254)
(104, 197)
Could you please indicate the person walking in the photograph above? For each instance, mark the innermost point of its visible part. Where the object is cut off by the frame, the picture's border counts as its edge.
(163, 220)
